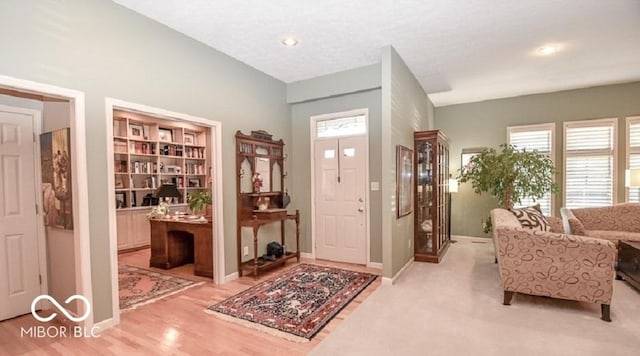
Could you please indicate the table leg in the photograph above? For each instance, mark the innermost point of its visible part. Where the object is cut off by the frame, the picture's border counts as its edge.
(255, 251)
(298, 235)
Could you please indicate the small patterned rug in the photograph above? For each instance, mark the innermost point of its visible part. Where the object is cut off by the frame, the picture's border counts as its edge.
(140, 286)
(297, 303)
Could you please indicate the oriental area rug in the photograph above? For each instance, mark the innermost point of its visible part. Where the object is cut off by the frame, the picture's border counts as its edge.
(140, 286)
(297, 303)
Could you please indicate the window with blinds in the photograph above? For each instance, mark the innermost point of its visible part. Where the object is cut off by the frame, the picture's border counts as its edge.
(633, 154)
(589, 174)
(539, 138)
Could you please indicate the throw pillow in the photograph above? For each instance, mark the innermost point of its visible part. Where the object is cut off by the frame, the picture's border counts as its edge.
(532, 218)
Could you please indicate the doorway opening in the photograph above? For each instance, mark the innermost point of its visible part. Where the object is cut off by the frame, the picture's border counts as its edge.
(44, 194)
(340, 167)
(163, 159)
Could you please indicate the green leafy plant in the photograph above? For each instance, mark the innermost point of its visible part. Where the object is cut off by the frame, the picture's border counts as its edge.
(510, 175)
(198, 201)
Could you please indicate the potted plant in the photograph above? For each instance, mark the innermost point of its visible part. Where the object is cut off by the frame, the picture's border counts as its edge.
(510, 175)
(199, 201)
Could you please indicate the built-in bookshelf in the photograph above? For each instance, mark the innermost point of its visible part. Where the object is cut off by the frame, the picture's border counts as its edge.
(149, 151)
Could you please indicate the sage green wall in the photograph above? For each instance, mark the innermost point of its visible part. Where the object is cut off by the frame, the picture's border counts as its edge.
(340, 83)
(483, 124)
(405, 109)
(105, 50)
(301, 180)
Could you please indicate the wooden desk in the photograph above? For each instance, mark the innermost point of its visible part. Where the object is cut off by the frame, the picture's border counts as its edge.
(177, 242)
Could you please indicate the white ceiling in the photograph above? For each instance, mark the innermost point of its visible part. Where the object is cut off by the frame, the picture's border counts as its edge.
(460, 50)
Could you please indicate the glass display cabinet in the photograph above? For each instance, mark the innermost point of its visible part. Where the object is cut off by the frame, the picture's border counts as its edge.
(432, 234)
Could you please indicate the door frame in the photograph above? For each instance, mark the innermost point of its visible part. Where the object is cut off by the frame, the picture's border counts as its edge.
(216, 189)
(80, 191)
(313, 138)
(41, 239)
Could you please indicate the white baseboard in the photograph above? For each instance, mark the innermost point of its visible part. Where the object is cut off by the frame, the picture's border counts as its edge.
(231, 277)
(463, 237)
(307, 255)
(105, 324)
(391, 281)
(376, 265)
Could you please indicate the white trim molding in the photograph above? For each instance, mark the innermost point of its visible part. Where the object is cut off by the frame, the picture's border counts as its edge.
(307, 255)
(550, 126)
(386, 281)
(312, 139)
(231, 277)
(81, 240)
(611, 122)
(629, 151)
(216, 189)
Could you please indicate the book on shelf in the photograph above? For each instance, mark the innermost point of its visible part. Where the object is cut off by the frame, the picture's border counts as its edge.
(119, 147)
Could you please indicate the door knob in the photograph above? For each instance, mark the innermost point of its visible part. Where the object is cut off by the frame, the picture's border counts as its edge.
(361, 209)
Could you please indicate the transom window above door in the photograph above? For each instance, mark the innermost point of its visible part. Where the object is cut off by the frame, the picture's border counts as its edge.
(343, 126)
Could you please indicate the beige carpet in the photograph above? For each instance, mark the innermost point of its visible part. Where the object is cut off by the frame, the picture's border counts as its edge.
(455, 308)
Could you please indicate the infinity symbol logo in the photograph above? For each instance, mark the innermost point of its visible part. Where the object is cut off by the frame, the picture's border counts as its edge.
(87, 308)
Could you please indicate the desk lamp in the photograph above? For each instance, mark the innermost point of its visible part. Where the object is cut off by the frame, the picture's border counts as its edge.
(453, 188)
(165, 191)
(632, 178)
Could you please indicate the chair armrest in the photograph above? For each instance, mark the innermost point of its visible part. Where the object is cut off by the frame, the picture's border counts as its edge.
(572, 225)
(556, 265)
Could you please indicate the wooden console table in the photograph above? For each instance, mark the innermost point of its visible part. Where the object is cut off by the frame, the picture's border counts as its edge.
(263, 217)
(629, 262)
(178, 242)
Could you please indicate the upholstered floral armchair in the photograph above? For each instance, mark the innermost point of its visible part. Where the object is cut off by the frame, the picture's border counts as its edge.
(552, 264)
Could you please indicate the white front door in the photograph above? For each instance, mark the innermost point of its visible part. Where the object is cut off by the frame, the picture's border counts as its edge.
(340, 192)
(19, 264)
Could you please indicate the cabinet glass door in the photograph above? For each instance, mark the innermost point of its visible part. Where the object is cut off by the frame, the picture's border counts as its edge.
(424, 193)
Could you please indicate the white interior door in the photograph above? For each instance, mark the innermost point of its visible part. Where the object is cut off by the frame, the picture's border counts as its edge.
(340, 192)
(19, 264)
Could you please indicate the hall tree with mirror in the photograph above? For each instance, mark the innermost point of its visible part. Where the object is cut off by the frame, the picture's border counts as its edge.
(262, 201)
(147, 152)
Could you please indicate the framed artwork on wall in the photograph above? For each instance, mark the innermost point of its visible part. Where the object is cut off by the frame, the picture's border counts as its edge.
(404, 180)
(467, 155)
(55, 157)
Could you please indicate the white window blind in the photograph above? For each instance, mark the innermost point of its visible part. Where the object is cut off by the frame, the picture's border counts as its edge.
(539, 138)
(633, 150)
(589, 163)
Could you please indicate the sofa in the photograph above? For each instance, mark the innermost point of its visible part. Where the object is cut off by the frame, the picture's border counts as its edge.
(614, 223)
(552, 264)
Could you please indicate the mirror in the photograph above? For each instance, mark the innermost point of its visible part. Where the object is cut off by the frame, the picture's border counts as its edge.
(263, 168)
(262, 150)
(246, 186)
(277, 173)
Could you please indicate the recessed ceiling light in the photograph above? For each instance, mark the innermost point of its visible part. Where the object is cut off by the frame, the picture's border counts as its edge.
(547, 50)
(290, 42)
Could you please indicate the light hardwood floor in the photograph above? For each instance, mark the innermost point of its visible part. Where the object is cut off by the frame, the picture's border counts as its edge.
(176, 325)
